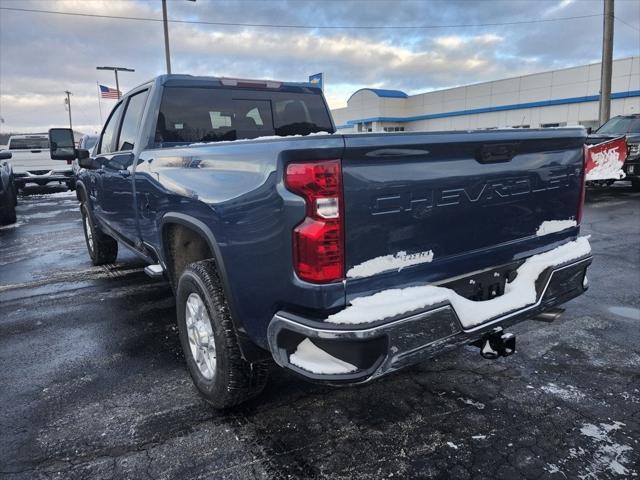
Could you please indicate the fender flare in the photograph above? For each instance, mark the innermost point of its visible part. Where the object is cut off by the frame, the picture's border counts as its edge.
(250, 351)
(200, 227)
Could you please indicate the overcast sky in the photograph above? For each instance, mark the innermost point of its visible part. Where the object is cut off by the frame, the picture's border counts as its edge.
(41, 55)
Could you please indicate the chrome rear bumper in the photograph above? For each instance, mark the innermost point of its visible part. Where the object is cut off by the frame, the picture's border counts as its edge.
(383, 347)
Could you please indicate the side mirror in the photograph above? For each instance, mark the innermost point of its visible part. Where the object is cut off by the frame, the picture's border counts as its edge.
(61, 144)
(5, 155)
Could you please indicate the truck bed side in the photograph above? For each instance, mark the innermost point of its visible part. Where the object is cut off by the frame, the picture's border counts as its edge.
(411, 193)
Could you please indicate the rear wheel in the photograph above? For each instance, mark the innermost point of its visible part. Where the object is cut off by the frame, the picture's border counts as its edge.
(209, 342)
(102, 248)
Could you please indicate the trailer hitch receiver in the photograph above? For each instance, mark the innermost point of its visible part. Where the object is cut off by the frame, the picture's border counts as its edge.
(496, 344)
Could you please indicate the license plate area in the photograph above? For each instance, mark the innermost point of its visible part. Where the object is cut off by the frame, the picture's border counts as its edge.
(484, 285)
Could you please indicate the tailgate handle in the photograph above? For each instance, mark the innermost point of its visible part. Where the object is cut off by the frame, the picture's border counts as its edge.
(498, 152)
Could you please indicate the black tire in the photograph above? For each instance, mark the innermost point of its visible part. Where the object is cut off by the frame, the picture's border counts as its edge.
(101, 247)
(8, 211)
(635, 184)
(234, 380)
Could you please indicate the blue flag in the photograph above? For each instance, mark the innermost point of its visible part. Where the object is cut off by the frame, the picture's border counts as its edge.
(317, 80)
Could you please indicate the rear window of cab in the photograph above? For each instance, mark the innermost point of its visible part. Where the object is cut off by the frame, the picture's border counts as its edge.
(201, 114)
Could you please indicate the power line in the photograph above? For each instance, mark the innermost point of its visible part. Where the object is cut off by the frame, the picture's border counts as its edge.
(627, 24)
(323, 27)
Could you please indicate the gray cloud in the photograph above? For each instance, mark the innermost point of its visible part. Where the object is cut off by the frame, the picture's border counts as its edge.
(42, 55)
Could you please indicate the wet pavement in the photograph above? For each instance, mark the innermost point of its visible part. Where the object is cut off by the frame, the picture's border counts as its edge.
(93, 382)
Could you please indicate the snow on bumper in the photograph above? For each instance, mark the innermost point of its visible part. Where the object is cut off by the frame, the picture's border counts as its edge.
(398, 327)
(518, 294)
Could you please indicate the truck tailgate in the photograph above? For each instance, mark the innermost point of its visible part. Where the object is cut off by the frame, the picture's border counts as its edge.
(36, 160)
(426, 207)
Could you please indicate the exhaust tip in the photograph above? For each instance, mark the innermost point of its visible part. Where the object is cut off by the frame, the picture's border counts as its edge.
(550, 315)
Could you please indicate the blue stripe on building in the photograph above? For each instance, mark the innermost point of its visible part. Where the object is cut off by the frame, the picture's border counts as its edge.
(499, 108)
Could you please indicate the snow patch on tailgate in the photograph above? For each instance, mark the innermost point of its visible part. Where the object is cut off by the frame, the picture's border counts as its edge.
(518, 294)
(552, 226)
(389, 262)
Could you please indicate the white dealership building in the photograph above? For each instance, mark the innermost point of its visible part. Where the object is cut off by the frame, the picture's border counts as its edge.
(550, 99)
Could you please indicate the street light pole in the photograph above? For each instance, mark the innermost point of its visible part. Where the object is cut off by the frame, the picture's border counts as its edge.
(116, 70)
(69, 107)
(117, 84)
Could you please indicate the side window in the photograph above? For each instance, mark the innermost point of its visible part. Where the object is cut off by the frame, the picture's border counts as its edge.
(109, 132)
(131, 121)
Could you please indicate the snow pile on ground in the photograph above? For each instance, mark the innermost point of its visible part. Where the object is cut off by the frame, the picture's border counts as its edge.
(389, 262)
(473, 403)
(315, 360)
(66, 193)
(603, 458)
(518, 294)
(36, 196)
(553, 226)
(609, 455)
(568, 393)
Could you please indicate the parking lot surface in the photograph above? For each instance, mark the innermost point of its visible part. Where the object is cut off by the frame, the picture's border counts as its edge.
(94, 385)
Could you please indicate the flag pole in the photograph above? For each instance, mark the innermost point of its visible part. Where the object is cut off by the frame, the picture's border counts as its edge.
(99, 102)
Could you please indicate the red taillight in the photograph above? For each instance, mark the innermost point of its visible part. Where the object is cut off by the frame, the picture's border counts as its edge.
(318, 242)
(583, 184)
(69, 162)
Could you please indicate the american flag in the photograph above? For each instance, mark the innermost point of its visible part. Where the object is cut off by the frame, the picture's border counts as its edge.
(107, 92)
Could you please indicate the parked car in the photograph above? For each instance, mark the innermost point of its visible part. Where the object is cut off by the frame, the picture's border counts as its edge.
(629, 126)
(341, 257)
(8, 197)
(86, 142)
(32, 162)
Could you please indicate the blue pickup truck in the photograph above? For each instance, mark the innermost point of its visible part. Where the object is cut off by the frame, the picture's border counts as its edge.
(341, 257)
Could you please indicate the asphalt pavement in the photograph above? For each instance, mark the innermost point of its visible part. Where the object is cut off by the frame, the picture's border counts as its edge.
(93, 382)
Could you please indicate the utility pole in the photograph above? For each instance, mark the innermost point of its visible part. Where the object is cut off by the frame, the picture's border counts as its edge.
(116, 70)
(607, 62)
(165, 24)
(68, 102)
